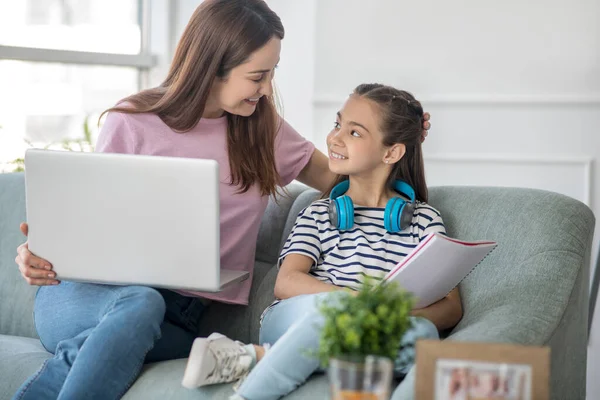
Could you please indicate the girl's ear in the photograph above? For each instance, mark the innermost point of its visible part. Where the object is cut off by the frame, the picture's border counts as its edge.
(394, 153)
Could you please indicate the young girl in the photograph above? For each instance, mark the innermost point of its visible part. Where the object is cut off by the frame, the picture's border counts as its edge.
(373, 217)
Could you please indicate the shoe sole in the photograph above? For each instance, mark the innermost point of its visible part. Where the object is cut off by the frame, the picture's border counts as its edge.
(196, 368)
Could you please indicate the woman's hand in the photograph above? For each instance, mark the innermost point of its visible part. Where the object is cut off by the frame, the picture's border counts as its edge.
(426, 126)
(35, 270)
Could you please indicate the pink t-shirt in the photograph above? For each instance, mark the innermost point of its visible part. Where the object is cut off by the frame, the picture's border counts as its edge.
(240, 213)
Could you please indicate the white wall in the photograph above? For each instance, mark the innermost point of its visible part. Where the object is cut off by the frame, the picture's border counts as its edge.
(160, 41)
(294, 77)
(513, 87)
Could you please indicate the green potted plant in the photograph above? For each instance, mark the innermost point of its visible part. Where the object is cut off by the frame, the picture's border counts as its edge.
(361, 338)
(79, 144)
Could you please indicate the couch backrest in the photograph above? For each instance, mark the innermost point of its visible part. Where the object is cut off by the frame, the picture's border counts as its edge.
(276, 218)
(533, 288)
(522, 289)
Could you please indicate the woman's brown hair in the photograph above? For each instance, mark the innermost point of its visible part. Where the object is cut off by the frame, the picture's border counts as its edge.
(401, 121)
(220, 35)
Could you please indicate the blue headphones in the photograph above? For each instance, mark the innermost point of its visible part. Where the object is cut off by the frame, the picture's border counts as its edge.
(398, 212)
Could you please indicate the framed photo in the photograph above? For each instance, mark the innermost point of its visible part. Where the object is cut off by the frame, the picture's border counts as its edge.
(449, 370)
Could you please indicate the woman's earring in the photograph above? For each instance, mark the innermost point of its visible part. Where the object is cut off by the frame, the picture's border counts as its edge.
(387, 161)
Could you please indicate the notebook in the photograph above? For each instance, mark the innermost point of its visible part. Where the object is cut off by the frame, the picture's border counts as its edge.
(437, 265)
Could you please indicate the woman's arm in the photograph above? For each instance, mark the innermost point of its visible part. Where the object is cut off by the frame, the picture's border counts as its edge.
(445, 313)
(293, 278)
(316, 173)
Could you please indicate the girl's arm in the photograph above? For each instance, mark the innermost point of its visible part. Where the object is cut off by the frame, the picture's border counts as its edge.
(293, 278)
(316, 173)
(445, 313)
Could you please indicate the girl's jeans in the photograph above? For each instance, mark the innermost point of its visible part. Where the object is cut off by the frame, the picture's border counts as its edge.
(294, 325)
(101, 336)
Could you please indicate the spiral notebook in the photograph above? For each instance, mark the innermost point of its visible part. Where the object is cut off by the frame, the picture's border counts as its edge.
(437, 265)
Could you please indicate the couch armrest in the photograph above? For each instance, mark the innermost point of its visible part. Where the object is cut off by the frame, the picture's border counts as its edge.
(16, 295)
(532, 289)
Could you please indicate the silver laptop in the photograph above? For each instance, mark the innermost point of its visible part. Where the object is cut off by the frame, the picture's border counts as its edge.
(127, 219)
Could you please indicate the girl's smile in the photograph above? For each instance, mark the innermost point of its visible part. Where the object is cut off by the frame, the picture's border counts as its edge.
(336, 156)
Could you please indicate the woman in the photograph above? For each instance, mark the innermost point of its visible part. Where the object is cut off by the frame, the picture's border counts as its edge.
(216, 102)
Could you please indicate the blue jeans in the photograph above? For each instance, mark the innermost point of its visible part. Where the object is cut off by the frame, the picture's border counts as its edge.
(101, 336)
(294, 326)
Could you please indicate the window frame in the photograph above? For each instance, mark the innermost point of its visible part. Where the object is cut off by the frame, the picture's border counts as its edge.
(143, 62)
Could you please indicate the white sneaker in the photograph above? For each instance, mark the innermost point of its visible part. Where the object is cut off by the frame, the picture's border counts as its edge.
(216, 359)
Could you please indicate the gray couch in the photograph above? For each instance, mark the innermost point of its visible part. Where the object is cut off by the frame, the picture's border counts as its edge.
(533, 289)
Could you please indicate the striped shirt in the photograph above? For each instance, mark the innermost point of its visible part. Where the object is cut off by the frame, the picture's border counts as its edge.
(344, 258)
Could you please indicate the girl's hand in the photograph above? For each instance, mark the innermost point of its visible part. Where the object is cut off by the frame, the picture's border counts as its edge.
(426, 126)
(35, 270)
(445, 313)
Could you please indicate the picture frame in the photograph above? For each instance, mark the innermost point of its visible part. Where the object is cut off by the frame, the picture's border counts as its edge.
(447, 370)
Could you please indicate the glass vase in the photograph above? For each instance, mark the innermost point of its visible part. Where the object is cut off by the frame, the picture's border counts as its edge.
(360, 378)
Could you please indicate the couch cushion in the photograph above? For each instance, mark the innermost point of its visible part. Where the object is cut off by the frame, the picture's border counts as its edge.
(20, 357)
(163, 381)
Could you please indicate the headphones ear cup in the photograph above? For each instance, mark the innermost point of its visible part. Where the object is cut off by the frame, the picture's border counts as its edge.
(399, 212)
(386, 215)
(345, 210)
(390, 216)
(334, 214)
(406, 216)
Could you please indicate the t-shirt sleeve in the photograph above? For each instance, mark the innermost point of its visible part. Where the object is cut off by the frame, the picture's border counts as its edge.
(435, 226)
(116, 135)
(303, 239)
(292, 153)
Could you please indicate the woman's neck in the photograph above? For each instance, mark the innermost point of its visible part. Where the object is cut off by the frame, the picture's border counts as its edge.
(212, 109)
(369, 192)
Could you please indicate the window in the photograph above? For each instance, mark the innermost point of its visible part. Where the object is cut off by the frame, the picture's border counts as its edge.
(63, 62)
(105, 26)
